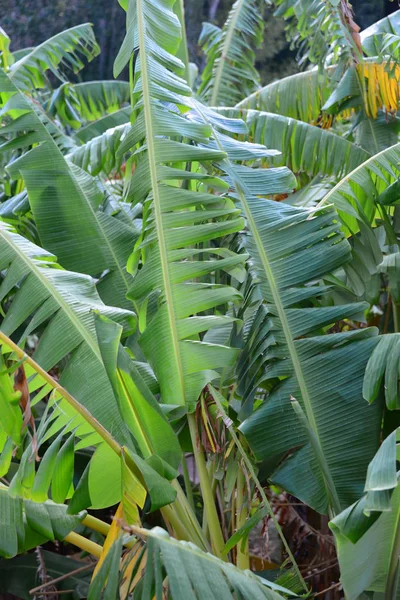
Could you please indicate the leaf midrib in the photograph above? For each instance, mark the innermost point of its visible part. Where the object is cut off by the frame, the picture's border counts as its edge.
(156, 196)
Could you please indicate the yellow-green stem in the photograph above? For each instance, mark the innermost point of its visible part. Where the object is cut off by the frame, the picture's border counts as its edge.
(96, 524)
(242, 549)
(216, 537)
(228, 423)
(87, 545)
(396, 317)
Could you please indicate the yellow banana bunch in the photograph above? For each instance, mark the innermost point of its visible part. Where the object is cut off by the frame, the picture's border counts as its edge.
(381, 87)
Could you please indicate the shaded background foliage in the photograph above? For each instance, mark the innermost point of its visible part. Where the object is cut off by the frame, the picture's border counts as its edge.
(29, 22)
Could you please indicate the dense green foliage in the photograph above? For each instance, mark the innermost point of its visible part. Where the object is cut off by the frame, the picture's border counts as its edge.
(200, 309)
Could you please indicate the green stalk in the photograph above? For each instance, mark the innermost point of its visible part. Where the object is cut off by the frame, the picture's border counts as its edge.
(242, 549)
(84, 544)
(216, 537)
(228, 423)
(214, 483)
(176, 522)
(396, 316)
(188, 483)
(182, 52)
(187, 515)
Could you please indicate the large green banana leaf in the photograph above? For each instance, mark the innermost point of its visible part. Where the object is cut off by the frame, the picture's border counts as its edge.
(65, 201)
(291, 248)
(327, 462)
(304, 148)
(62, 303)
(180, 219)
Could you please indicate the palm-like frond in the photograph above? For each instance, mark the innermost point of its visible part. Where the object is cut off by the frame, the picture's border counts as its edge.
(179, 222)
(304, 148)
(88, 101)
(65, 201)
(292, 247)
(230, 73)
(60, 53)
(53, 300)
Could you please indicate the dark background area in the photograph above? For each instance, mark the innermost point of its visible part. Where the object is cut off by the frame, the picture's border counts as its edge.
(29, 22)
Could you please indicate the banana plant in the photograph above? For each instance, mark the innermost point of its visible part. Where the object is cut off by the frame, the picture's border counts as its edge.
(171, 285)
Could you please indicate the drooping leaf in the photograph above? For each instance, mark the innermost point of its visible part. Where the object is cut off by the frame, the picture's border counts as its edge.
(63, 300)
(303, 147)
(42, 522)
(283, 346)
(62, 52)
(192, 573)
